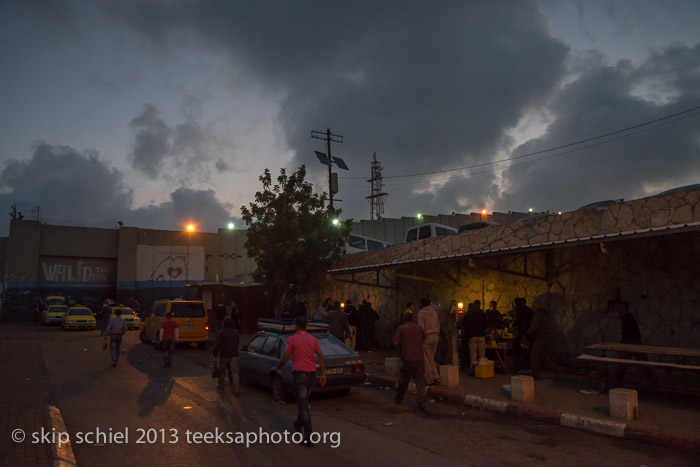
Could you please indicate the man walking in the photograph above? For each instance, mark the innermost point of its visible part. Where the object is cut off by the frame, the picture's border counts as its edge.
(301, 347)
(168, 335)
(409, 337)
(428, 320)
(115, 330)
(226, 348)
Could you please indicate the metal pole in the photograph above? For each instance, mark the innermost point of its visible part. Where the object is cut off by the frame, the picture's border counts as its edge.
(330, 167)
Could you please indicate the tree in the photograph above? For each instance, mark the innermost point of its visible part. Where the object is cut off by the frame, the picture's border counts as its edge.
(291, 234)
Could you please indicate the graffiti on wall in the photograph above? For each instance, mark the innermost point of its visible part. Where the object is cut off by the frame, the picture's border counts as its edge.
(72, 270)
(169, 263)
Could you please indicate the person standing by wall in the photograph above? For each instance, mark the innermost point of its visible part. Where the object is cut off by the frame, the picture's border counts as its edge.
(322, 310)
(168, 335)
(474, 327)
(351, 312)
(428, 320)
(540, 333)
(409, 337)
(365, 326)
(339, 326)
(226, 349)
(115, 330)
(301, 347)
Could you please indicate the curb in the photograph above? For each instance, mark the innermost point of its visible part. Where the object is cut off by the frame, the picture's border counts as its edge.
(599, 426)
(63, 455)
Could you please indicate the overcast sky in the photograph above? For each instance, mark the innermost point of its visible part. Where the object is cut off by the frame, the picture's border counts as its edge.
(159, 113)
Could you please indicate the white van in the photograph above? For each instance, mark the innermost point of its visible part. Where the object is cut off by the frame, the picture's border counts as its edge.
(429, 230)
(357, 243)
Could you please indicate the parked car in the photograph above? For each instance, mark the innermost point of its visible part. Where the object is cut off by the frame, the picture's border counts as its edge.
(55, 300)
(132, 321)
(358, 243)
(191, 317)
(79, 317)
(258, 359)
(54, 314)
(429, 230)
(477, 225)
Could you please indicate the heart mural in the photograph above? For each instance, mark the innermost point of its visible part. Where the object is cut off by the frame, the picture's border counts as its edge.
(174, 272)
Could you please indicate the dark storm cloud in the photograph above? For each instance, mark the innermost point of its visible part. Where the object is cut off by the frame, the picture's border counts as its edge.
(175, 153)
(151, 141)
(606, 98)
(66, 184)
(426, 85)
(72, 186)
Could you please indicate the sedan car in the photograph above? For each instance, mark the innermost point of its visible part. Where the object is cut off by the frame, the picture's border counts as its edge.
(54, 314)
(259, 358)
(132, 321)
(78, 317)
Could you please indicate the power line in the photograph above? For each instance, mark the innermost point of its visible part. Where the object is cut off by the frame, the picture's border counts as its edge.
(554, 148)
(571, 151)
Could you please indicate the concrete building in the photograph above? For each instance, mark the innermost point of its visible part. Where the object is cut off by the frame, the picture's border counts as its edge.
(90, 264)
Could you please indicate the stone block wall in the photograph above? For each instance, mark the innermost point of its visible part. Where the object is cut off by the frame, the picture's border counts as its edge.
(658, 275)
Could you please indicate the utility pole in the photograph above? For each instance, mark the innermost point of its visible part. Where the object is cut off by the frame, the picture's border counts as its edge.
(376, 199)
(327, 159)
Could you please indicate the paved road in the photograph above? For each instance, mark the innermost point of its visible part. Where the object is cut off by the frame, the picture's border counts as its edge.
(140, 394)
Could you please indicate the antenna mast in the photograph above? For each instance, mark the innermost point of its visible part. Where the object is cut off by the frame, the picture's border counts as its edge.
(376, 199)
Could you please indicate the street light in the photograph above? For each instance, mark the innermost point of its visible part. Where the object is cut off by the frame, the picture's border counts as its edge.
(190, 229)
(419, 216)
(230, 225)
(336, 221)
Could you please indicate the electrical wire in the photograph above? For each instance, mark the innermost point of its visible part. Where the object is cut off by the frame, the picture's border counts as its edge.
(548, 150)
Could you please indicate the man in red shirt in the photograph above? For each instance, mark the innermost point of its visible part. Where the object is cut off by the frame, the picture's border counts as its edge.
(410, 337)
(301, 347)
(167, 336)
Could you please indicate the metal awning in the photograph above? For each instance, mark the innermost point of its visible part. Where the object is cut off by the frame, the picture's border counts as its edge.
(627, 235)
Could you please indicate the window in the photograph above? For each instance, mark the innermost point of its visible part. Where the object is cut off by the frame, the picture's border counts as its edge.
(256, 344)
(424, 232)
(441, 231)
(357, 242)
(373, 244)
(270, 347)
(330, 346)
(187, 310)
(411, 235)
(159, 308)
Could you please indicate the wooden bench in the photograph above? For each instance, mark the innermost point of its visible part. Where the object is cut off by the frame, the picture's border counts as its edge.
(641, 363)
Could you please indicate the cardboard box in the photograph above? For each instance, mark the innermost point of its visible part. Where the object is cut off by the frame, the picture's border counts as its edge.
(484, 371)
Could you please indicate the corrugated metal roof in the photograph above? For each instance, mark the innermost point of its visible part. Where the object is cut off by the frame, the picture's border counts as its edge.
(617, 236)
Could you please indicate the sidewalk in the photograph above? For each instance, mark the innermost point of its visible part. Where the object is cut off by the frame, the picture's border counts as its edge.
(663, 420)
(25, 397)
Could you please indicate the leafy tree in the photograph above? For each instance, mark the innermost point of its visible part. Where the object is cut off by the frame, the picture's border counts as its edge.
(291, 234)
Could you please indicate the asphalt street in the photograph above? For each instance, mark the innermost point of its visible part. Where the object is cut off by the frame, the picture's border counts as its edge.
(364, 427)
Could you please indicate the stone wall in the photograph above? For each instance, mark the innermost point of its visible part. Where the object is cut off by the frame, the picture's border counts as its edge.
(658, 275)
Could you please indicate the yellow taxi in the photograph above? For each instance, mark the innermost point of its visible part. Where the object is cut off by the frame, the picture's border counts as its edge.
(55, 300)
(53, 314)
(132, 321)
(79, 317)
(191, 317)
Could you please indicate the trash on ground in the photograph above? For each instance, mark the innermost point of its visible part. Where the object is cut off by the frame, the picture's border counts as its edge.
(588, 392)
(389, 424)
(507, 388)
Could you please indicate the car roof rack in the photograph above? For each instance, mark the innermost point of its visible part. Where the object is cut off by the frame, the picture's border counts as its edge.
(288, 325)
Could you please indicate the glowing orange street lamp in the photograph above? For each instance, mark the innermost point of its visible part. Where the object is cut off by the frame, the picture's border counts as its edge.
(190, 229)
